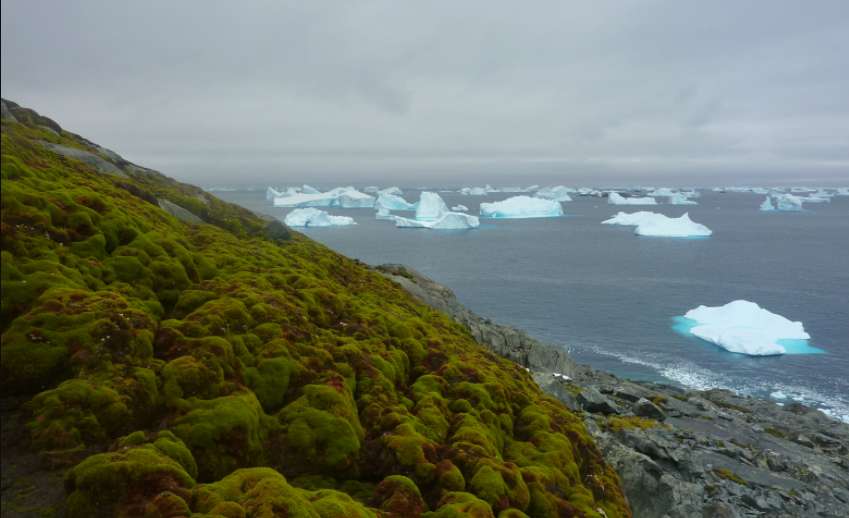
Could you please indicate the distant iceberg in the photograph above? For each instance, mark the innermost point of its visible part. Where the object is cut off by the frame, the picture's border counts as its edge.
(460, 208)
(309, 189)
(746, 328)
(782, 202)
(310, 217)
(345, 197)
(586, 191)
(556, 193)
(395, 191)
(663, 191)
(433, 213)
(680, 199)
(842, 191)
(522, 207)
(614, 198)
(652, 224)
(371, 189)
(476, 191)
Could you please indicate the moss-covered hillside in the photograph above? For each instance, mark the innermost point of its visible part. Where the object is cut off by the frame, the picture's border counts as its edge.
(216, 364)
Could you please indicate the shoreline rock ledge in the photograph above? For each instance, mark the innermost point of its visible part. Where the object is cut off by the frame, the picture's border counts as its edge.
(679, 453)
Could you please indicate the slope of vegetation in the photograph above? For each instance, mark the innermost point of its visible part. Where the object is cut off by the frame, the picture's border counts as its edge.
(233, 368)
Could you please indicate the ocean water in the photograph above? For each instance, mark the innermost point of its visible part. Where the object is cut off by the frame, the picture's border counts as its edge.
(611, 298)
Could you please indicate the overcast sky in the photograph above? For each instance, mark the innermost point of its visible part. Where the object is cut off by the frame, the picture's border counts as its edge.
(686, 92)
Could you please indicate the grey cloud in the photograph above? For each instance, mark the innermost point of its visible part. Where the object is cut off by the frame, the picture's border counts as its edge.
(287, 91)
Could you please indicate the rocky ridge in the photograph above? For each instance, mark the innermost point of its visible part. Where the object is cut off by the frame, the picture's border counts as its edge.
(680, 453)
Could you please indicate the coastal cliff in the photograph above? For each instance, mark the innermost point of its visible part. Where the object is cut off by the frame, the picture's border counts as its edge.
(680, 453)
(165, 353)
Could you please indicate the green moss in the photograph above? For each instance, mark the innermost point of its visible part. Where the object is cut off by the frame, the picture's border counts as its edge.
(727, 474)
(617, 423)
(256, 347)
(458, 505)
(110, 484)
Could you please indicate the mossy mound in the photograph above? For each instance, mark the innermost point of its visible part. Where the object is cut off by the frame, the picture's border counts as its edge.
(254, 370)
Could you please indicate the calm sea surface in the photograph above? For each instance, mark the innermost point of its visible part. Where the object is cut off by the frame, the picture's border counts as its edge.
(609, 296)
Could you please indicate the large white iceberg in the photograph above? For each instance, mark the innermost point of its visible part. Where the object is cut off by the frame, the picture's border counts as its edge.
(522, 207)
(557, 193)
(310, 217)
(744, 327)
(432, 212)
(652, 224)
(345, 197)
(392, 202)
(431, 206)
(766, 205)
(614, 198)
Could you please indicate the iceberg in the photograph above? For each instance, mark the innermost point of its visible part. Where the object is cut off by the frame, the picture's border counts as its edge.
(652, 224)
(557, 193)
(586, 191)
(371, 189)
(680, 199)
(309, 189)
(396, 191)
(784, 202)
(767, 205)
(310, 217)
(447, 221)
(522, 207)
(431, 206)
(614, 198)
(459, 208)
(272, 193)
(345, 197)
(433, 213)
(663, 191)
(476, 191)
(744, 327)
(392, 202)
(842, 191)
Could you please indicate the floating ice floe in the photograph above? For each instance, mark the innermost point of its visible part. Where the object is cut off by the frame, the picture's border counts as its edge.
(460, 208)
(767, 205)
(652, 224)
(842, 191)
(586, 191)
(662, 192)
(522, 207)
(556, 193)
(614, 198)
(345, 197)
(310, 217)
(433, 213)
(744, 327)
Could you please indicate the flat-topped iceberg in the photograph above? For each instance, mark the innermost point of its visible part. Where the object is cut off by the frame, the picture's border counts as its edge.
(310, 217)
(433, 213)
(476, 191)
(345, 197)
(614, 198)
(522, 207)
(556, 193)
(652, 224)
(744, 327)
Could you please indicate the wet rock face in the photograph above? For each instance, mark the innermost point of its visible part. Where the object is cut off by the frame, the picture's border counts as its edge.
(682, 453)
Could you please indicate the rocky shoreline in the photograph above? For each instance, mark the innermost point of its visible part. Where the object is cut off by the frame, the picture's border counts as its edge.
(679, 453)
